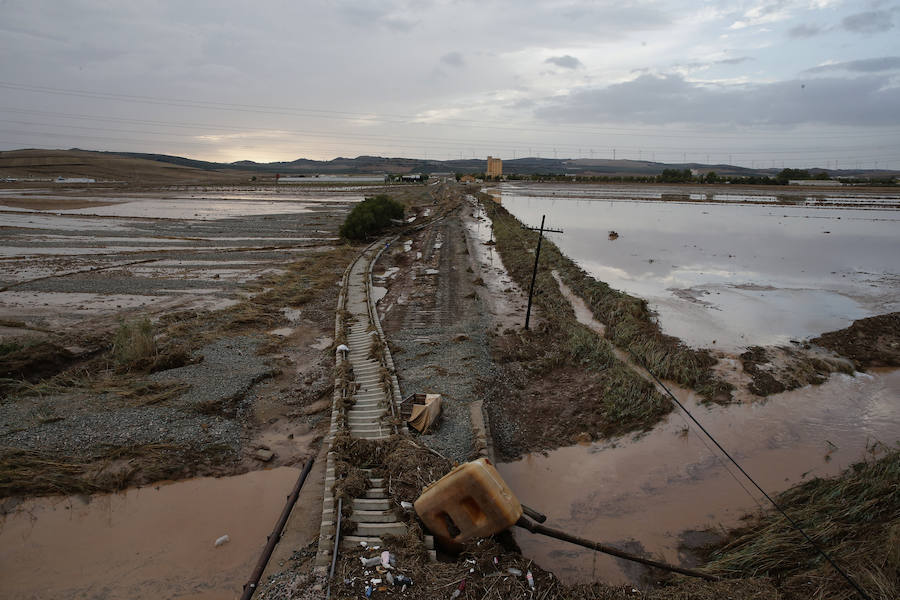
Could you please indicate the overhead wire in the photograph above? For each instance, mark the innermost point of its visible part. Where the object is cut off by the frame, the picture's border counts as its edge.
(783, 513)
(397, 118)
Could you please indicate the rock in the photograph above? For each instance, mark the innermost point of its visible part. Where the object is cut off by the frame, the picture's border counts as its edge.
(264, 455)
(460, 337)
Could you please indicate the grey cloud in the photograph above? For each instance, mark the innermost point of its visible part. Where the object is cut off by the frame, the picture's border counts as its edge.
(873, 21)
(805, 31)
(732, 61)
(365, 14)
(566, 61)
(454, 59)
(865, 65)
(652, 99)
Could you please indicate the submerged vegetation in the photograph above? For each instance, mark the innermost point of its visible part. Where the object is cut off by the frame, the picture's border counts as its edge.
(855, 517)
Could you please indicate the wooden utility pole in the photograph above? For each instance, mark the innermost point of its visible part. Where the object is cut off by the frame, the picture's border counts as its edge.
(537, 255)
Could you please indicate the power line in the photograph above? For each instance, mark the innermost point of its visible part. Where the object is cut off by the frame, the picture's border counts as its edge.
(394, 118)
(793, 523)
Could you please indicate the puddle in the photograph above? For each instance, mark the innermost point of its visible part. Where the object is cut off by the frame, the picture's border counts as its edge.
(282, 332)
(732, 274)
(152, 542)
(378, 293)
(647, 493)
(504, 298)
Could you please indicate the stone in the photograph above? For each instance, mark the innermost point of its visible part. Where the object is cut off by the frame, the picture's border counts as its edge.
(264, 455)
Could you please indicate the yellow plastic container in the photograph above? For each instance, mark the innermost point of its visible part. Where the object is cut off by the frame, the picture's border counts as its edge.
(471, 501)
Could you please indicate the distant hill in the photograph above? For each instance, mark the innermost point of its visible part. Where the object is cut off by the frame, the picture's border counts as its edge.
(133, 166)
(108, 166)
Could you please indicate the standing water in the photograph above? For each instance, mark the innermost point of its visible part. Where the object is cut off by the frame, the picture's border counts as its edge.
(153, 542)
(724, 274)
(655, 492)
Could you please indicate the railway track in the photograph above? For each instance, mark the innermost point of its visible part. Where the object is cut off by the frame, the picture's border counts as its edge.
(368, 379)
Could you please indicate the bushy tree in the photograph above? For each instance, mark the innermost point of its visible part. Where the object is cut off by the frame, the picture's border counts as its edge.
(675, 176)
(787, 174)
(370, 216)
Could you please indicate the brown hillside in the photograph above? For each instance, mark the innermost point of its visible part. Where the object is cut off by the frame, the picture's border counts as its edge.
(104, 167)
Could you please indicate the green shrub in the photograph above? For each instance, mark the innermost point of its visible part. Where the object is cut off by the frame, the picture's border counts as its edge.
(371, 216)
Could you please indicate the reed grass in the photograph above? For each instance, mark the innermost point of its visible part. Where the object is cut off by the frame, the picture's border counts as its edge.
(855, 517)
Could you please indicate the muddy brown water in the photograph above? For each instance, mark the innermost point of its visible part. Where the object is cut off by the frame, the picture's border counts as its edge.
(650, 493)
(152, 542)
(658, 492)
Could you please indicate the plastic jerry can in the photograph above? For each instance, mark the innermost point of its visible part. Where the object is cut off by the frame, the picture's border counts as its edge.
(471, 501)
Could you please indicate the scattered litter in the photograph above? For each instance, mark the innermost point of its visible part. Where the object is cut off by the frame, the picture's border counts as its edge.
(530, 579)
(370, 562)
(459, 590)
(387, 559)
(343, 348)
(514, 571)
(364, 544)
(223, 540)
(407, 506)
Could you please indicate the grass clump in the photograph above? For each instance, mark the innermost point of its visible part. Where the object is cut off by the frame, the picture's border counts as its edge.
(134, 343)
(371, 216)
(855, 517)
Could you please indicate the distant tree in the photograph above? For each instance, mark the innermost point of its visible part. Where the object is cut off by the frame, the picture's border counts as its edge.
(675, 176)
(822, 175)
(788, 174)
(711, 177)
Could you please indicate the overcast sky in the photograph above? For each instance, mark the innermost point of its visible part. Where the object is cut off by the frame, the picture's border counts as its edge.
(757, 83)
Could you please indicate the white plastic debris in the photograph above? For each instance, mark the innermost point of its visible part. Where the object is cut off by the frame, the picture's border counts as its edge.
(343, 348)
(223, 540)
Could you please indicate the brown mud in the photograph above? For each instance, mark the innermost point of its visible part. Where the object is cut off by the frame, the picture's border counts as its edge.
(872, 342)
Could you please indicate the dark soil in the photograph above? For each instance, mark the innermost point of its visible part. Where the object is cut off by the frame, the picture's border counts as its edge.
(777, 369)
(34, 362)
(872, 342)
(567, 405)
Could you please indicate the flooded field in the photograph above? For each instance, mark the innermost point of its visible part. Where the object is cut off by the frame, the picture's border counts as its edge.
(657, 492)
(67, 256)
(153, 542)
(728, 269)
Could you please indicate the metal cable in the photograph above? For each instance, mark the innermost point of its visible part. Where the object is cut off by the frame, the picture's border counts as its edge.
(793, 523)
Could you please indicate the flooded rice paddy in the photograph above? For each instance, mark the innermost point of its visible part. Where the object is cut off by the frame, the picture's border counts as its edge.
(737, 270)
(153, 542)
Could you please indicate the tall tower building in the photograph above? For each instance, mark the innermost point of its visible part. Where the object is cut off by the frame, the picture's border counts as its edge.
(494, 168)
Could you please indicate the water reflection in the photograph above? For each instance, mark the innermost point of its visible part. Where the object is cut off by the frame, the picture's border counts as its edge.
(729, 275)
(645, 494)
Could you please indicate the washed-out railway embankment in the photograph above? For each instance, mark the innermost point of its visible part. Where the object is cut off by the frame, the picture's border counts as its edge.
(365, 404)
